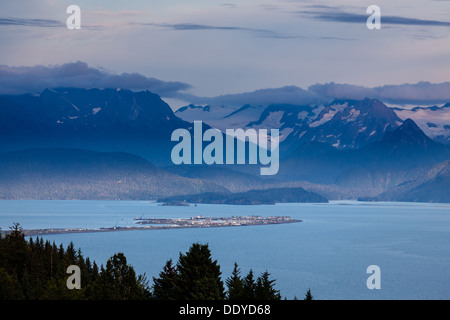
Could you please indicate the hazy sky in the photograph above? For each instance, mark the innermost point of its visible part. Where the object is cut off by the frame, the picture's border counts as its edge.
(220, 47)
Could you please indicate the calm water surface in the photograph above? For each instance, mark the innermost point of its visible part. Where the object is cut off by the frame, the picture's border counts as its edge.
(328, 252)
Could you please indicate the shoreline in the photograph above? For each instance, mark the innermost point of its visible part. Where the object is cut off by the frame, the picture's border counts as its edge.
(163, 224)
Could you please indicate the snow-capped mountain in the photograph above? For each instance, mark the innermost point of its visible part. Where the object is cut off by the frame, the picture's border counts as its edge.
(434, 121)
(398, 157)
(141, 123)
(348, 124)
(221, 117)
(345, 124)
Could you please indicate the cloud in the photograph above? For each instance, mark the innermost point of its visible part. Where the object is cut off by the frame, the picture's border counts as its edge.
(263, 33)
(192, 26)
(342, 91)
(345, 17)
(17, 80)
(422, 93)
(30, 22)
(284, 95)
(229, 5)
(419, 93)
(34, 79)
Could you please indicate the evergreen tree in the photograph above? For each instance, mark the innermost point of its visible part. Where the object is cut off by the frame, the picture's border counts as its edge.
(35, 272)
(249, 286)
(70, 255)
(265, 288)
(165, 287)
(16, 251)
(198, 275)
(9, 286)
(308, 295)
(56, 289)
(235, 285)
(95, 272)
(118, 281)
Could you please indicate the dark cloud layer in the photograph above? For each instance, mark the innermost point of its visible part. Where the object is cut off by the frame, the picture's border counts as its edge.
(419, 93)
(422, 93)
(264, 33)
(338, 16)
(260, 33)
(30, 22)
(16, 80)
(284, 95)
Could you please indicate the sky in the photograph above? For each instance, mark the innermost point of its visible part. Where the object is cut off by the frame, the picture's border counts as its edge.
(208, 51)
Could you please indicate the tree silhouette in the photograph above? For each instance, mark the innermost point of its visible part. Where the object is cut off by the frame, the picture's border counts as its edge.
(198, 275)
(235, 285)
(308, 295)
(265, 288)
(118, 281)
(165, 287)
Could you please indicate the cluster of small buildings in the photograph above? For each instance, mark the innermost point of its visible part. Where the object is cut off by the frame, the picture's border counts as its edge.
(201, 221)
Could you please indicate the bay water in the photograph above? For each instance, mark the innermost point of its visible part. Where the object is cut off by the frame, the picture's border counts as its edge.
(328, 252)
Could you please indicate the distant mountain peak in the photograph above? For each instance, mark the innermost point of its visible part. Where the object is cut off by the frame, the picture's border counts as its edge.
(408, 127)
(409, 132)
(409, 124)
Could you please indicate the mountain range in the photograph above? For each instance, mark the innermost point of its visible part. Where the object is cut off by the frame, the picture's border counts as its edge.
(110, 120)
(402, 155)
(67, 143)
(343, 124)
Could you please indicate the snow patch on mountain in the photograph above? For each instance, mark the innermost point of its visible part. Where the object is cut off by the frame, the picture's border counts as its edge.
(272, 121)
(353, 115)
(207, 113)
(327, 114)
(325, 118)
(221, 117)
(434, 121)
